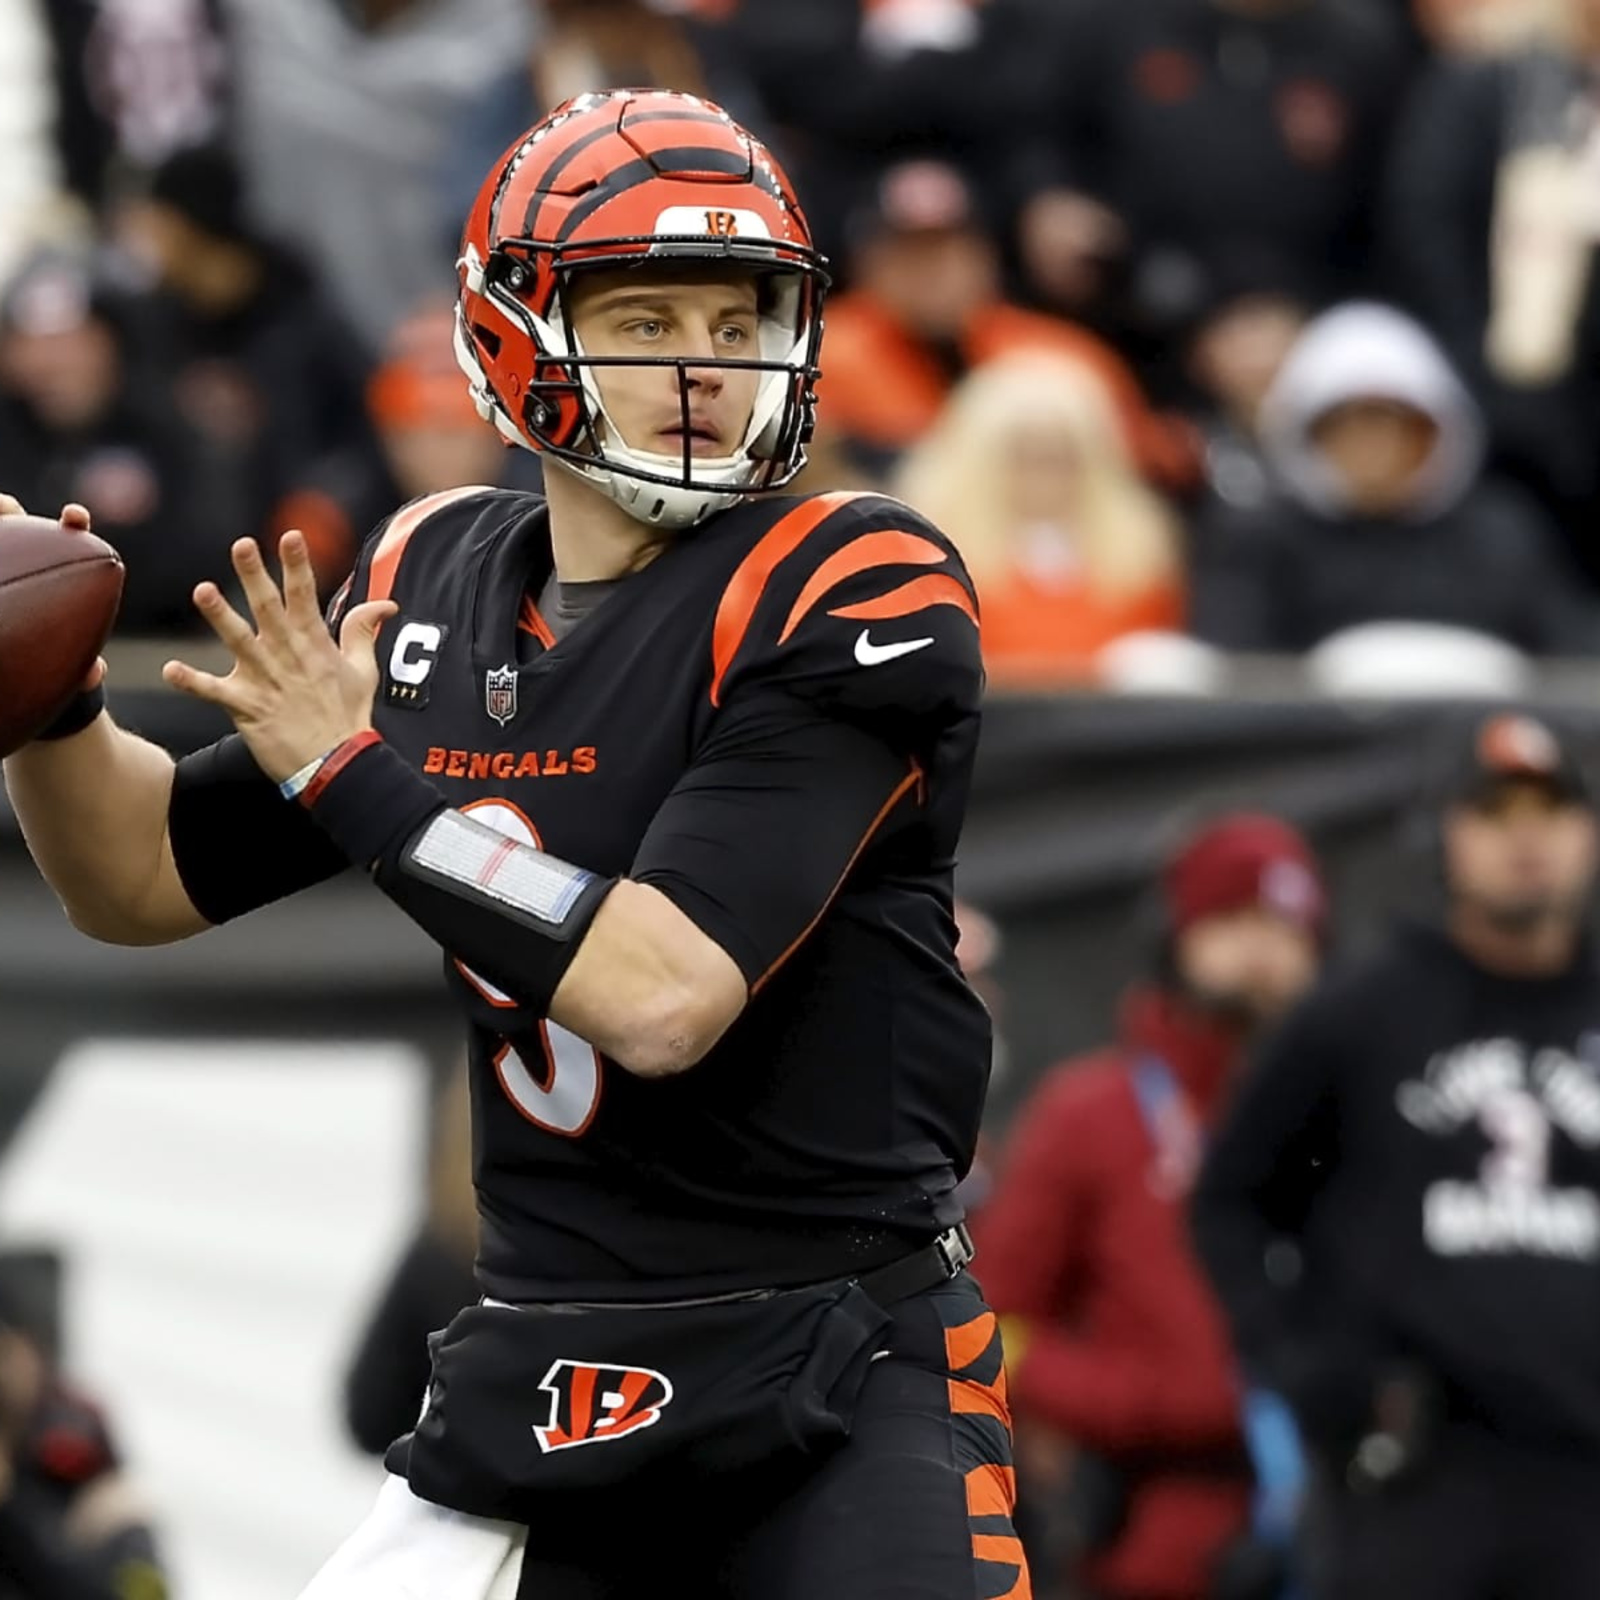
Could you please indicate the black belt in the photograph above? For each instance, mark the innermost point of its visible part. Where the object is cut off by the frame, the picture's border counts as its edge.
(926, 1269)
(916, 1273)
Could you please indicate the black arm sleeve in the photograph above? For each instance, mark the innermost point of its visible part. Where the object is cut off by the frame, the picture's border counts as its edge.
(1259, 1184)
(752, 844)
(758, 836)
(237, 843)
(1261, 1175)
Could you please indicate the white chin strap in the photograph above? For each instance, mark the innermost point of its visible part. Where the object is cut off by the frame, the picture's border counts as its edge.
(719, 481)
(662, 505)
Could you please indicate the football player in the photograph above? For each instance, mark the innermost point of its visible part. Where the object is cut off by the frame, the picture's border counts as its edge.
(672, 767)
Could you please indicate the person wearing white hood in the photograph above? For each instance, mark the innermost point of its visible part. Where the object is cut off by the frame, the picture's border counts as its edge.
(1382, 510)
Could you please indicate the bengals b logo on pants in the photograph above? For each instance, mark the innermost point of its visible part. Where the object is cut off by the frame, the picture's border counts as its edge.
(590, 1404)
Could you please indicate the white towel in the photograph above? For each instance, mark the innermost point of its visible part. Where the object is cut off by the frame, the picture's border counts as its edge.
(411, 1549)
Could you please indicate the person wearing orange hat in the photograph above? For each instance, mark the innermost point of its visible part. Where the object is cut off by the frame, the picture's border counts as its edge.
(1401, 1209)
(1128, 1406)
(430, 432)
(926, 307)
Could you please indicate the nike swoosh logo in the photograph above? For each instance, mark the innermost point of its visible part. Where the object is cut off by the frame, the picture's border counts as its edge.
(874, 655)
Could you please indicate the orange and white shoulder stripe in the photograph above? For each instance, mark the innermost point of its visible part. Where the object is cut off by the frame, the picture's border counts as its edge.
(405, 522)
(882, 547)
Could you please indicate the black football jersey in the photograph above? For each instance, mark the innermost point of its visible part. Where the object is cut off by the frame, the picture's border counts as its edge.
(773, 723)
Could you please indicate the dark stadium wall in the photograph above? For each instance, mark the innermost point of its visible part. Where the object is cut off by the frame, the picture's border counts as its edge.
(1075, 803)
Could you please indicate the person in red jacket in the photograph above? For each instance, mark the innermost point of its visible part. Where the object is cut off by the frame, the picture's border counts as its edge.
(1124, 1387)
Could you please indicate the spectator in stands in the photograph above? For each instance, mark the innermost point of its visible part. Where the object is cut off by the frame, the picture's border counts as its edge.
(136, 81)
(926, 308)
(30, 171)
(1126, 1397)
(345, 109)
(78, 422)
(433, 1280)
(1492, 231)
(1485, 27)
(1401, 1209)
(1026, 470)
(1173, 133)
(262, 368)
(71, 1527)
(581, 45)
(1385, 514)
(854, 86)
(1232, 354)
(432, 435)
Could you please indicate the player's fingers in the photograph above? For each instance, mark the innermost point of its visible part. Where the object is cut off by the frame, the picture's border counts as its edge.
(359, 630)
(266, 603)
(227, 624)
(95, 676)
(299, 584)
(75, 516)
(10, 506)
(202, 685)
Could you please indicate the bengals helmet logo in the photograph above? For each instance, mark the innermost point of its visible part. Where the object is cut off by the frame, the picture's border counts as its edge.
(590, 1404)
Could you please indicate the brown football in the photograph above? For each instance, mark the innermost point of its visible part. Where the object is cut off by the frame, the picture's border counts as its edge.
(59, 592)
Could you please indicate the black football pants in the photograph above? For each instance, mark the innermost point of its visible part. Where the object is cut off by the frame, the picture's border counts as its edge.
(916, 1506)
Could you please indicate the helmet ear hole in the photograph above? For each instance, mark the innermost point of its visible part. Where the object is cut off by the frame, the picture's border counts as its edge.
(552, 411)
(488, 338)
(506, 271)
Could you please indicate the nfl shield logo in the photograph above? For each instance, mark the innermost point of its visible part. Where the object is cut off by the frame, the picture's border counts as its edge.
(500, 693)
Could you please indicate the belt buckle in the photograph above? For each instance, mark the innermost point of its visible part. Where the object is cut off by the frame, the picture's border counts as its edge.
(955, 1249)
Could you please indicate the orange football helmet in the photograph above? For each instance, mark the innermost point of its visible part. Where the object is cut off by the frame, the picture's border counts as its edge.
(608, 179)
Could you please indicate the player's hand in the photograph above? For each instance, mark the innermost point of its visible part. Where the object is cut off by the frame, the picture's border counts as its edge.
(72, 516)
(293, 692)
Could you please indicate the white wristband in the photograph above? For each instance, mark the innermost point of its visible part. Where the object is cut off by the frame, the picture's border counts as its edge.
(296, 782)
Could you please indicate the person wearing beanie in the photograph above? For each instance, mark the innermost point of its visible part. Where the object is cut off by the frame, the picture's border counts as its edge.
(1127, 1403)
(1401, 1210)
(1383, 507)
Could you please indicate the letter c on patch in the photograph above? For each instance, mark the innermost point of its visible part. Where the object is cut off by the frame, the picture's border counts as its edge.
(415, 646)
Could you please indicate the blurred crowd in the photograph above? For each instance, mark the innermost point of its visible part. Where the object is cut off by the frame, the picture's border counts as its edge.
(1264, 324)
(1241, 325)
(1296, 1269)
(1297, 1272)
